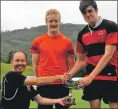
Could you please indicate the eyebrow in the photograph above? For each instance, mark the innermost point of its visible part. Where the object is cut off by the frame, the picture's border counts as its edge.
(89, 10)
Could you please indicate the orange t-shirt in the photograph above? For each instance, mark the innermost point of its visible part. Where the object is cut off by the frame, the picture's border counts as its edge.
(53, 52)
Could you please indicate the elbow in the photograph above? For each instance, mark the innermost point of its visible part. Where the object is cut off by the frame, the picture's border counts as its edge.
(41, 101)
(108, 56)
(35, 82)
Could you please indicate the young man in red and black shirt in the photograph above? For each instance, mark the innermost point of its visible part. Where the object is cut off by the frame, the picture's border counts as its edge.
(96, 46)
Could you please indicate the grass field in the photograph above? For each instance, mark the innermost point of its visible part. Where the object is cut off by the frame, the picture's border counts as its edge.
(28, 72)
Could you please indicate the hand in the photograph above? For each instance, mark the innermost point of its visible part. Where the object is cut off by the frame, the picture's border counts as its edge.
(85, 81)
(66, 78)
(62, 101)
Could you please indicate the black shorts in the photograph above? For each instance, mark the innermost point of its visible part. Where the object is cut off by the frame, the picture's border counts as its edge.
(52, 91)
(100, 89)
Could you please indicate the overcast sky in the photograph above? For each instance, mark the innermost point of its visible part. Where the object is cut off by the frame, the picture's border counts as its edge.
(20, 14)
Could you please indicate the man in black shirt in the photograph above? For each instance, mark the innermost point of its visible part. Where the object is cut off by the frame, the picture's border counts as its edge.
(17, 90)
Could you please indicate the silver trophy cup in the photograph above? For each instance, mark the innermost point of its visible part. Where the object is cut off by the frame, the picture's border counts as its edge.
(71, 85)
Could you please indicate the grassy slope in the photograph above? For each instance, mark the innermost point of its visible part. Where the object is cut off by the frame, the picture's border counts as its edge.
(76, 93)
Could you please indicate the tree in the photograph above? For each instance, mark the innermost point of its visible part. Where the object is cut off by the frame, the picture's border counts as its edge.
(9, 56)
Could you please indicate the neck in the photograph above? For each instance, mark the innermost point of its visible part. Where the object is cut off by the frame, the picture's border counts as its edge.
(17, 72)
(53, 34)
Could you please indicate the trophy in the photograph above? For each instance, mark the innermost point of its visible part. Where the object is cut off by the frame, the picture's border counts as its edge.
(71, 84)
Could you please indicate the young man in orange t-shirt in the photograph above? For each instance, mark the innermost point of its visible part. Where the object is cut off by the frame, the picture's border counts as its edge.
(52, 54)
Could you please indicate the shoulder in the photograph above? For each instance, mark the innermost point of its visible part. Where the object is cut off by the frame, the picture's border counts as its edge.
(82, 31)
(10, 75)
(110, 26)
(13, 74)
(109, 22)
(66, 39)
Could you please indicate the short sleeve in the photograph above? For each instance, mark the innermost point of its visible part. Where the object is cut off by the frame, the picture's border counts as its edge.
(34, 46)
(80, 48)
(33, 93)
(15, 79)
(112, 37)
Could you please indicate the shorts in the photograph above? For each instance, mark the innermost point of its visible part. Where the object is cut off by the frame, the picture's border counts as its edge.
(101, 89)
(53, 91)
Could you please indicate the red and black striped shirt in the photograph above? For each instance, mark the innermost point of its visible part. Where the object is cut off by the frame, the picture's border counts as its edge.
(92, 41)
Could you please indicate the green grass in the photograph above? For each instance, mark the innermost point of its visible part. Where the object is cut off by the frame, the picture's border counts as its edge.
(29, 71)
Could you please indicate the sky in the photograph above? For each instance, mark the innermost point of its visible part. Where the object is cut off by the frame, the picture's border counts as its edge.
(21, 14)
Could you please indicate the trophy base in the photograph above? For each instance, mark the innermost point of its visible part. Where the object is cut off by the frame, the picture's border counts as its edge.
(71, 100)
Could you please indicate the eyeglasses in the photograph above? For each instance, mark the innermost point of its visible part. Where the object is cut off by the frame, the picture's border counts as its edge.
(88, 11)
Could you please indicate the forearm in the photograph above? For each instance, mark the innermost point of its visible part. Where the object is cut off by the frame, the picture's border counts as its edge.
(70, 62)
(35, 69)
(77, 67)
(100, 66)
(46, 80)
(47, 101)
(43, 80)
(35, 62)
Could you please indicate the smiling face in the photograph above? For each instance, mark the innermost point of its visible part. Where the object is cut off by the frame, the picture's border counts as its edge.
(53, 20)
(53, 23)
(90, 15)
(19, 62)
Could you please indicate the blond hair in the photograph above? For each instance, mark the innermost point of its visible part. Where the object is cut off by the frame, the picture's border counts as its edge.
(52, 11)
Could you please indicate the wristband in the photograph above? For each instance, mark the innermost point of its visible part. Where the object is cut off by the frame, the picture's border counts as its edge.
(70, 75)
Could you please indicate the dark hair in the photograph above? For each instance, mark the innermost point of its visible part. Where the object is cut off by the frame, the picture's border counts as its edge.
(85, 3)
(12, 55)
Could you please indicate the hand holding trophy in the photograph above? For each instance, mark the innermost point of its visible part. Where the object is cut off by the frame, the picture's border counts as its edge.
(71, 83)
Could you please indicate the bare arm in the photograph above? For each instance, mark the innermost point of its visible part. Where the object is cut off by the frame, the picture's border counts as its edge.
(79, 64)
(48, 101)
(109, 51)
(42, 80)
(35, 61)
(70, 61)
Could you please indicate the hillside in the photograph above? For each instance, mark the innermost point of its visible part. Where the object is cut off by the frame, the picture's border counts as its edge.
(21, 39)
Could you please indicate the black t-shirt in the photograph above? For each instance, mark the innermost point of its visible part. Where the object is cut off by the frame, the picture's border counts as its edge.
(15, 95)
